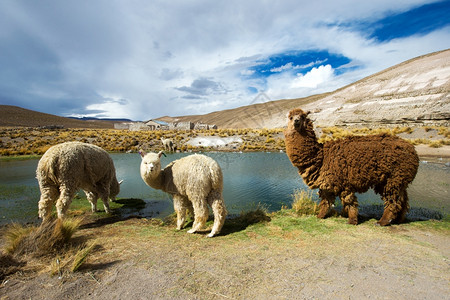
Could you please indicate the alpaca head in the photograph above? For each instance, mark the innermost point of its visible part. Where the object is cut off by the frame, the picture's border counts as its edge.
(150, 164)
(298, 119)
(114, 188)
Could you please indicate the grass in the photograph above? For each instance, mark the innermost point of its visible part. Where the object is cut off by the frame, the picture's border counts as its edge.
(333, 133)
(44, 240)
(303, 204)
(53, 248)
(50, 244)
(81, 256)
(23, 143)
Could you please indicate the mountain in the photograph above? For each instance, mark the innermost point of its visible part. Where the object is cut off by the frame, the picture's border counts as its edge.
(101, 119)
(416, 91)
(17, 116)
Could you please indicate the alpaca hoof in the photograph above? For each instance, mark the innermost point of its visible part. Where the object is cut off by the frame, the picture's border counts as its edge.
(212, 234)
(321, 215)
(191, 231)
(383, 223)
(353, 221)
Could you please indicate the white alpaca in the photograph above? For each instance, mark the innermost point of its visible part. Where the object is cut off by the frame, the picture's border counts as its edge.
(193, 181)
(168, 144)
(65, 168)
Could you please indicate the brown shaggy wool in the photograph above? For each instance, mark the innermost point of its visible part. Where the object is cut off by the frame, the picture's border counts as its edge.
(354, 164)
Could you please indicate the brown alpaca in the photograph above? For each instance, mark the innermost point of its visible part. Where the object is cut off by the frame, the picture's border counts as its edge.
(354, 164)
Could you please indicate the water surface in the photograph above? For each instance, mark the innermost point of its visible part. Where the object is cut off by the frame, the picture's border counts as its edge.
(249, 179)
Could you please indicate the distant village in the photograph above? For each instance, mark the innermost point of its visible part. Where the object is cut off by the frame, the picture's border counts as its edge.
(161, 125)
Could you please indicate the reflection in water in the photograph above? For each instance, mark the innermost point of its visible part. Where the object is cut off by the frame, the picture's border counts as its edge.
(249, 179)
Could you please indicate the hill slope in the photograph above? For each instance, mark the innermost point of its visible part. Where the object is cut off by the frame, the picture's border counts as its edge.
(416, 91)
(17, 116)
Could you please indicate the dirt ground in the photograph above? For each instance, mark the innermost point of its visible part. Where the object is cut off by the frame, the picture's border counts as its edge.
(286, 258)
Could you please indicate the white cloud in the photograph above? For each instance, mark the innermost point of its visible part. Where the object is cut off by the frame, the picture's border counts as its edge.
(144, 51)
(314, 77)
(285, 67)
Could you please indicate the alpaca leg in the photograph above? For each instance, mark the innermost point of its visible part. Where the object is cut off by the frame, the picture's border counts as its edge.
(326, 203)
(395, 201)
(49, 195)
(387, 217)
(350, 207)
(401, 215)
(201, 213)
(179, 205)
(92, 198)
(105, 200)
(392, 205)
(104, 195)
(215, 200)
(64, 200)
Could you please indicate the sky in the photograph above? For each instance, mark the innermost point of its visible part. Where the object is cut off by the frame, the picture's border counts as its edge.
(143, 59)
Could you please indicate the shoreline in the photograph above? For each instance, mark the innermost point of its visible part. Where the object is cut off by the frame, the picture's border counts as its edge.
(425, 151)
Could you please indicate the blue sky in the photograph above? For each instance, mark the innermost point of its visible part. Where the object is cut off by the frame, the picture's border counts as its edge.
(145, 59)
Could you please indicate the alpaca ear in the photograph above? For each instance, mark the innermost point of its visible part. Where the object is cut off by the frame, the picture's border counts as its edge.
(142, 153)
(160, 153)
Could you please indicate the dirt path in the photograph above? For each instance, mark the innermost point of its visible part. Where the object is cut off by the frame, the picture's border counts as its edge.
(287, 258)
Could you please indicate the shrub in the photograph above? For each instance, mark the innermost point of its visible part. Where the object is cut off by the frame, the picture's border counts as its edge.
(40, 241)
(303, 204)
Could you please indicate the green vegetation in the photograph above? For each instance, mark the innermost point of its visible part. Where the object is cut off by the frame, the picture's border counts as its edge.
(62, 248)
(26, 143)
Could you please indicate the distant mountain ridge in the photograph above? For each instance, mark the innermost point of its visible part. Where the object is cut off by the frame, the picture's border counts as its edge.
(17, 116)
(101, 119)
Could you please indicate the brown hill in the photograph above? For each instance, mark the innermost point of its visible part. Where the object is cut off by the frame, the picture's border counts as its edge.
(17, 116)
(416, 91)
(257, 115)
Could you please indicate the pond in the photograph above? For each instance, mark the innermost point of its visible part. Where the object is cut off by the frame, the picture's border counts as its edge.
(250, 179)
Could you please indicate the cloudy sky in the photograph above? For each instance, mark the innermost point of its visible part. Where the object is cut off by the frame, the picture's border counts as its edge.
(142, 59)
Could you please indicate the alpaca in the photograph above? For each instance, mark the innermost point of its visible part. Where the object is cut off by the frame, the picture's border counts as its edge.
(168, 144)
(385, 163)
(65, 168)
(193, 181)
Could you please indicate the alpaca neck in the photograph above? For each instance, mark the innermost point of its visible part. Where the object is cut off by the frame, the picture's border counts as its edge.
(305, 153)
(156, 181)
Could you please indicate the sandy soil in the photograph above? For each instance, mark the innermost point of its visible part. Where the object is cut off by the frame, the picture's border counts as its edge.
(427, 151)
(327, 259)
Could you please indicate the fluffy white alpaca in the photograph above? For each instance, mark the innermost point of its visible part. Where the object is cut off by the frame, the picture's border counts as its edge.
(65, 168)
(193, 181)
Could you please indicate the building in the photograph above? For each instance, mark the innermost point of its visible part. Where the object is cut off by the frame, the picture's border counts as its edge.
(157, 125)
(200, 125)
(181, 126)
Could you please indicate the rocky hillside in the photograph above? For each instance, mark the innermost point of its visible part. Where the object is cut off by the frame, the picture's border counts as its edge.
(416, 91)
